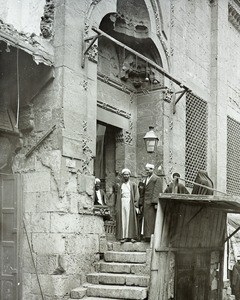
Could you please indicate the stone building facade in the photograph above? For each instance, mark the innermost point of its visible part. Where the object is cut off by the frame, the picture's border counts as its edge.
(74, 107)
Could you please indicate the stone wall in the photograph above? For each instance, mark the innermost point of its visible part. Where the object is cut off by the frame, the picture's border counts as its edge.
(58, 176)
(58, 180)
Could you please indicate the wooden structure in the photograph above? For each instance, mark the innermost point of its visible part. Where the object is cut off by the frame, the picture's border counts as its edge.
(188, 246)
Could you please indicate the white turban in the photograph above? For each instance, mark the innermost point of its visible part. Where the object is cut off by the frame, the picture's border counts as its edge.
(149, 166)
(126, 170)
(97, 180)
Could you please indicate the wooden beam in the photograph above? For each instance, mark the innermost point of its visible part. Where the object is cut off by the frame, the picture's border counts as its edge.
(147, 60)
(232, 234)
(40, 141)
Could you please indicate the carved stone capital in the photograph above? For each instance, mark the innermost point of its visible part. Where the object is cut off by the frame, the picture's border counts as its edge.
(92, 54)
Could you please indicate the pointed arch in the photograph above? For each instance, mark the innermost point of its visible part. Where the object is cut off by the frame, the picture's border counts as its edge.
(98, 9)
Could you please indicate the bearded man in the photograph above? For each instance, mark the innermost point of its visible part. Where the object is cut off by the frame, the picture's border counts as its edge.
(126, 206)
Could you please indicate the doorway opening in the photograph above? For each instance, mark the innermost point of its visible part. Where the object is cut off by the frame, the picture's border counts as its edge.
(192, 276)
(105, 168)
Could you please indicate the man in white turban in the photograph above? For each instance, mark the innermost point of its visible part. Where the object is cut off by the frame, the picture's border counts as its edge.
(126, 204)
(152, 186)
(99, 195)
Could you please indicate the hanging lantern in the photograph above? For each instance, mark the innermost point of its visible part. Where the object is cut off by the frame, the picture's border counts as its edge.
(151, 140)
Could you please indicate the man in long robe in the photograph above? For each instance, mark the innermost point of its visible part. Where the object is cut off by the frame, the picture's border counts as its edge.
(152, 188)
(126, 205)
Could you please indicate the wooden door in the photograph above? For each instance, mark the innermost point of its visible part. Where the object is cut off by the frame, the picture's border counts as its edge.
(9, 196)
(192, 276)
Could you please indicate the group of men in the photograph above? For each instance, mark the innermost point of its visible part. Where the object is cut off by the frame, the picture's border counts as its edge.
(136, 204)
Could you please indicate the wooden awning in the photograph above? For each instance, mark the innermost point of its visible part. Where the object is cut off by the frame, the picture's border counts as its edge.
(229, 204)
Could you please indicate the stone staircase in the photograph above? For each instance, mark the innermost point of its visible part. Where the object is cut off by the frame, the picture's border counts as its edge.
(122, 274)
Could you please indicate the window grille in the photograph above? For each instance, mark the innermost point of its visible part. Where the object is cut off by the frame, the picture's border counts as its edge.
(233, 157)
(196, 136)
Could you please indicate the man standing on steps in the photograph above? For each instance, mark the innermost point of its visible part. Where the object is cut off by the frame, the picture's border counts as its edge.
(126, 205)
(148, 202)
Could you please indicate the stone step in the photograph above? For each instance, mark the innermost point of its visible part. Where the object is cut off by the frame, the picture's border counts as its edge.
(99, 298)
(127, 268)
(125, 257)
(120, 279)
(119, 292)
(78, 293)
(128, 247)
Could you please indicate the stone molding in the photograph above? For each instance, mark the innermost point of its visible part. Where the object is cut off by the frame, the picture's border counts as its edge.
(92, 53)
(159, 25)
(126, 89)
(114, 83)
(113, 109)
(234, 13)
(124, 137)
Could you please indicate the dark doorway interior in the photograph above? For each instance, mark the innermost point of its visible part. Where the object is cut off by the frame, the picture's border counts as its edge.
(192, 276)
(105, 161)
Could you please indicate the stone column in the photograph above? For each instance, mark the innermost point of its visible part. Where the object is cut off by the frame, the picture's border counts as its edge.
(218, 99)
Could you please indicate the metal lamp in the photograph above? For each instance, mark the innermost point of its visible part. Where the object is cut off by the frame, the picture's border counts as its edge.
(150, 140)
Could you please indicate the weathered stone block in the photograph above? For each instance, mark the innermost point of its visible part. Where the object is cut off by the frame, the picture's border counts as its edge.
(89, 185)
(78, 293)
(30, 202)
(114, 267)
(139, 269)
(36, 182)
(93, 278)
(55, 285)
(50, 243)
(137, 280)
(118, 291)
(72, 147)
(130, 257)
(79, 263)
(66, 223)
(73, 200)
(130, 247)
(50, 202)
(71, 184)
(81, 180)
(46, 264)
(103, 244)
(81, 244)
(40, 222)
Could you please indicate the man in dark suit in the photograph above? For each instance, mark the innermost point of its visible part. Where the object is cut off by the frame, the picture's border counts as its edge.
(151, 189)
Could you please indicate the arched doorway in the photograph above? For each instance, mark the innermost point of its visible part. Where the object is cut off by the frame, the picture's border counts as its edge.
(127, 93)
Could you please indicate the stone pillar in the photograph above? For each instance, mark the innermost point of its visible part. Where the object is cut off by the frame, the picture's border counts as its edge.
(218, 99)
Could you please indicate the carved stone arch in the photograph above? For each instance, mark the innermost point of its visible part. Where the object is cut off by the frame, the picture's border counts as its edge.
(157, 28)
(98, 9)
